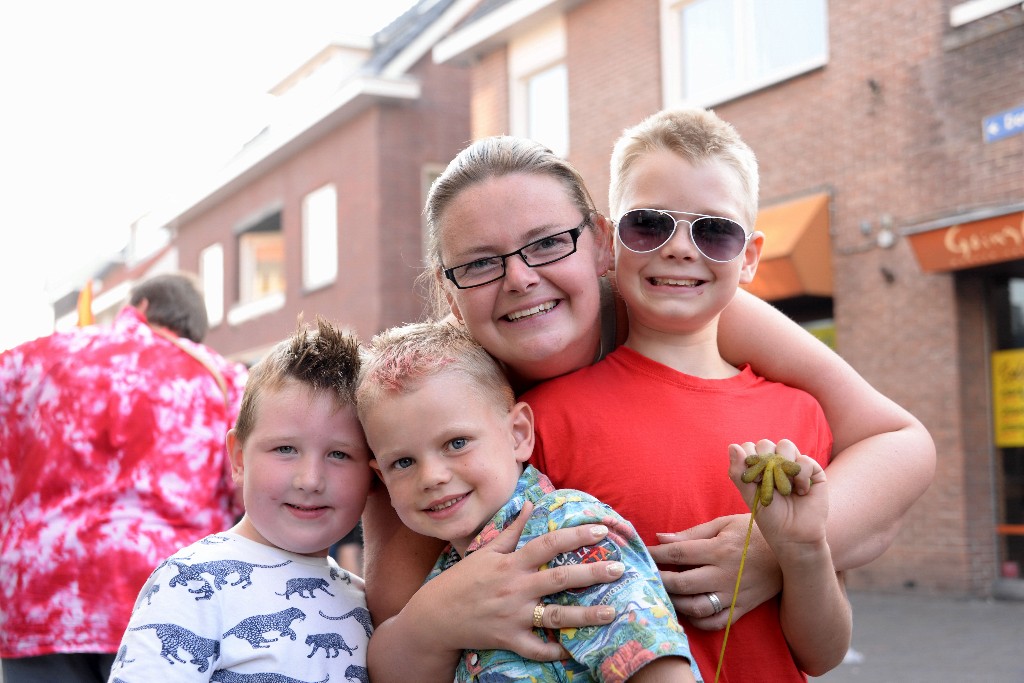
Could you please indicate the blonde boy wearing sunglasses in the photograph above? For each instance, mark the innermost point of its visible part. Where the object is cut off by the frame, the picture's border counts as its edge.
(672, 411)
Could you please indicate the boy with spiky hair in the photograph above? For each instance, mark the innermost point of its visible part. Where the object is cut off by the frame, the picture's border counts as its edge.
(265, 597)
(449, 442)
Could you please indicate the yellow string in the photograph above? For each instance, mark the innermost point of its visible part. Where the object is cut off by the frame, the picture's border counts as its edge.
(736, 589)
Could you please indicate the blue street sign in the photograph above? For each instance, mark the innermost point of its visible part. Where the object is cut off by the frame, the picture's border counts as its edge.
(1004, 124)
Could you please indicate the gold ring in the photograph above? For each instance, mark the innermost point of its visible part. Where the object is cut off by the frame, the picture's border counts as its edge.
(538, 616)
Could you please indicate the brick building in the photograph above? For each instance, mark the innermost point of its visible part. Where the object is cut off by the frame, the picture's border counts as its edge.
(320, 214)
(867, 121)
(892, 198)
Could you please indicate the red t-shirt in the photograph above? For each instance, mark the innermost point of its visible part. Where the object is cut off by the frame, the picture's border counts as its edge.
(653, 443)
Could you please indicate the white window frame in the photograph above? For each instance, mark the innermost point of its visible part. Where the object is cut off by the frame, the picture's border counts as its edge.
(320, 237)
(673, 91)
(972, 10)
(211, 275)
(531, 55)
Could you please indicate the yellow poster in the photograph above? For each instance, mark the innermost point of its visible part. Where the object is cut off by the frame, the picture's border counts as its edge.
(1008, 397)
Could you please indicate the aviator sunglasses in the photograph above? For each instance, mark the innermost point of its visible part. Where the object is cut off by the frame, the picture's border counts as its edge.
(717, 239)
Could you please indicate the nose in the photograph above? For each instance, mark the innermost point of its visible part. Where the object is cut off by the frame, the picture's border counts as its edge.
(519, 277)
(309, 475)
(434, 472)
(680, 245)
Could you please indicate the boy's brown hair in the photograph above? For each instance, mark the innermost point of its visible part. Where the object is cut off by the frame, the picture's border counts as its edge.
(325, 359)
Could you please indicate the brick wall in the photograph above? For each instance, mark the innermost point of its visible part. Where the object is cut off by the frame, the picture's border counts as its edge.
(890, 127)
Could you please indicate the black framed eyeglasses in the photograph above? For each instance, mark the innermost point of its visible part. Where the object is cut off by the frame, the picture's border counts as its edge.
(717, 239)
(483, 271)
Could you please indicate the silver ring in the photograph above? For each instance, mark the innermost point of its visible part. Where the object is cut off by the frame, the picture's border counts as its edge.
(716, 604)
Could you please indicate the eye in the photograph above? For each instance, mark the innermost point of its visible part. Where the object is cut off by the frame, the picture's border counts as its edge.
(481, 265)
(338, 455)
(286, 450)
(402, 463)
(458, 443)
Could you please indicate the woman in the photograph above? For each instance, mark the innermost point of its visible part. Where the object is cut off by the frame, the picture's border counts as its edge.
(491, 212)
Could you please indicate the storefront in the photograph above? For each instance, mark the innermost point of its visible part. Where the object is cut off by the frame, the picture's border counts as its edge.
(984, 250)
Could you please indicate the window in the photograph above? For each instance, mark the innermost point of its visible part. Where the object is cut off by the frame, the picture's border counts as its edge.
(547, 108)
(211, 274)
(539, 84)
(261, 260)
(319, 237)
(972, 10)
(715, 50)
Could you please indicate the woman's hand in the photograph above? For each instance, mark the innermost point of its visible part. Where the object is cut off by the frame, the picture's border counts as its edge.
(709, 557)
(486, 601)
(490, 595)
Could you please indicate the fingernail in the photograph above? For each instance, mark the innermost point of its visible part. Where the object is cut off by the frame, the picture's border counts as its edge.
(616, 568)
(599, 530)
(605, 613)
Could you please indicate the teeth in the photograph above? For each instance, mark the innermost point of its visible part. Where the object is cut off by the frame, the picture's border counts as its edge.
(531, 311)
(674, 283)
(442, 506)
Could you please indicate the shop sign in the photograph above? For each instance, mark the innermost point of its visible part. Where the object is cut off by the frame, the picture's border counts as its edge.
(1008, 397)
(968, 245)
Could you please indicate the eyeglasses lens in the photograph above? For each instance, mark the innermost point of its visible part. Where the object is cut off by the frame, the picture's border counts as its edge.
(720, 239)
(645, 230)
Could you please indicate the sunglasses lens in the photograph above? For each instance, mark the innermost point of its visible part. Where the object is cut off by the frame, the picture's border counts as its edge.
(644, 230)
(720, 239)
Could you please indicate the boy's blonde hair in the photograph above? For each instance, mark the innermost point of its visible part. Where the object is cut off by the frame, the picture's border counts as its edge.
(491, 157)
(698, 136)
(398, 360)
(325, 359)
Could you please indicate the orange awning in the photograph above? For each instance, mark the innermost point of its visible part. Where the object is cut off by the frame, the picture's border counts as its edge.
(797, 256)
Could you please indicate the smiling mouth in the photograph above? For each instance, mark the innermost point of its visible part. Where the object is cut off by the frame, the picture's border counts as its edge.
(669, 282)
(446, 504)
(307, 508)
(530, 312)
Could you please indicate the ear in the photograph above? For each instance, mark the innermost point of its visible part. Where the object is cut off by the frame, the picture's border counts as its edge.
(521, 421)
(446, 287)
(376, 468)
(751, 257)
(235, 456)
(604, 234)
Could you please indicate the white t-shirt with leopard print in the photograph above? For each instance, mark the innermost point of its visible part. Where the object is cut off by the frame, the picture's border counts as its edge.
(232, 610)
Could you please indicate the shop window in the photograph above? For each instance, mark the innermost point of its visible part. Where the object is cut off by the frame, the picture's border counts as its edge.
(211, 275)
(319, 237)
(716, 50)
(1009, 319)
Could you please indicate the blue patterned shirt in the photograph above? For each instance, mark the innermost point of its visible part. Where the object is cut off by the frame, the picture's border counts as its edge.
(645, 627)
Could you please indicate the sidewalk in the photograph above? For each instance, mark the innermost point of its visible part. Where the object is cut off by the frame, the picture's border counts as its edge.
(913, 638)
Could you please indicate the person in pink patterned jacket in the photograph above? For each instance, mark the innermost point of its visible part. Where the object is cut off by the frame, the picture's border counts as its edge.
(112, 456)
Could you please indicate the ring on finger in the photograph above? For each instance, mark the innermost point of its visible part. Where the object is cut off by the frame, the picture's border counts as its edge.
(538, 615)
(716, 604)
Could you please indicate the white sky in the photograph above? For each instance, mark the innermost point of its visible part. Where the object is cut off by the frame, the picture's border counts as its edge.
(108, 105)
